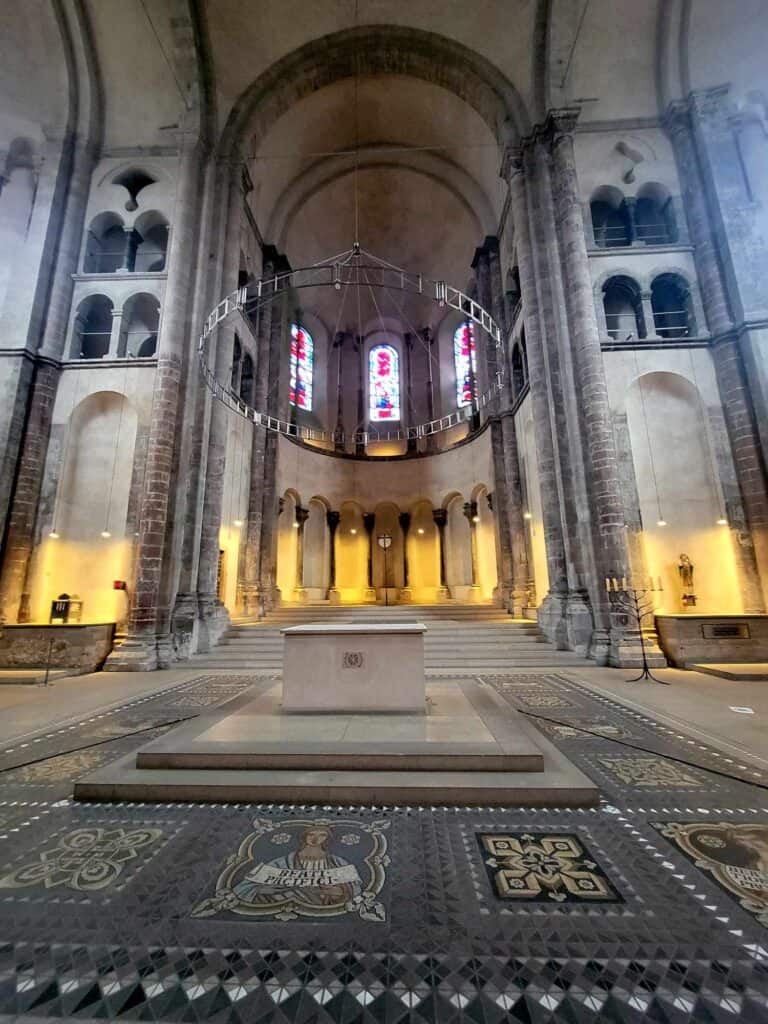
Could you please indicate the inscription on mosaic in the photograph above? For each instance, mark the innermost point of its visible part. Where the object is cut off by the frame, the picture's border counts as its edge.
(543, 867)
(543, 700)
(316, 868)
(650, 773)
(734, 855)
(84, 860)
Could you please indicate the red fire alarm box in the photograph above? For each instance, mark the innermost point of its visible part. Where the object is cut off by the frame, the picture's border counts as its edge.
(118, 584)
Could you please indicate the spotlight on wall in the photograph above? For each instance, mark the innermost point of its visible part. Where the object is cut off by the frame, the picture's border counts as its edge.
(53, 535)
(661, 522)
(105, 533)
(295, 525)
(475, 519)
(722, 521)
(353, 531)
(527, 515)
(420, 530)
(238, 522)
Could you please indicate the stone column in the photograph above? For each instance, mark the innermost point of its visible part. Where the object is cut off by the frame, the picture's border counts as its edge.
(552, 607)
(410, 416)
(253, 535)
(369, 522)
(132, 239)
(609, 556)
(630, 204)
(470, 512)
(114, 337)
(361, 416)
(440, 517)
(139, 651)
(733, 380)
(406, 595)
(429, 342)
(301, 517)
(338, 439)
(648, 317)
(214, 617)
(333, 519)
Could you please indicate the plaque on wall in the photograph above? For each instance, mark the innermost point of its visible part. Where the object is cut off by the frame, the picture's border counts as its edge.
(725, 631)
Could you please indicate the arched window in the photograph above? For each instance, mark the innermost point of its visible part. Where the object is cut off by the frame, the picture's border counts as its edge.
(518, 375)
(139, 326)
(465, 363)
(654, 215)
(610, 222)
(301, 368)
(93, 328)
(623, 308)
(672, 308)
(234, 377)
(384, 383)
(246, 380)
(105, 247)
(151, 243)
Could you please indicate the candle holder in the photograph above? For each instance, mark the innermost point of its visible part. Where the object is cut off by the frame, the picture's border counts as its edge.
(635, 602)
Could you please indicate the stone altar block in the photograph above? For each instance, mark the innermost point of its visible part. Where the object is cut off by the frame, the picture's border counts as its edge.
(354, 667)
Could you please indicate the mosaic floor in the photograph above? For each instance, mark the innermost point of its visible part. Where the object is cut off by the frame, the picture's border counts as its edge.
(651, 907)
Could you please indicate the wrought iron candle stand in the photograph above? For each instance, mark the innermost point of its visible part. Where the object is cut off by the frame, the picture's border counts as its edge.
(637, 603)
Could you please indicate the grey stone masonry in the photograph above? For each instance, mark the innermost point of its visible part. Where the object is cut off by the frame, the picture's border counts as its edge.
(139, 650)
(731, 340)
(581, 495)
(552, 607)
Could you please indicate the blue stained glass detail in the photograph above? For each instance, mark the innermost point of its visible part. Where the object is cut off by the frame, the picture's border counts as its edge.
(301, 368)
(465, 362)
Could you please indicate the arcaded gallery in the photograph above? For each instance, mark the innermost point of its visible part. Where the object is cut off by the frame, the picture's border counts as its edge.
(384, 511)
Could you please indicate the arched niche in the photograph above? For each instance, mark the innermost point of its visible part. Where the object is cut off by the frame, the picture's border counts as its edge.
(387, 569)
(675, 479)
(317, 550)
(104, 244)
(139, 325)
(487, 572)
(351, 553)
(458, 555)
(287, 537)
(92, 497)
(424, 553)
(532, 510)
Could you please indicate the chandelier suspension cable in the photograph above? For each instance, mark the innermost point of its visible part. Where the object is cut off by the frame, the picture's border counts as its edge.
(357, 134)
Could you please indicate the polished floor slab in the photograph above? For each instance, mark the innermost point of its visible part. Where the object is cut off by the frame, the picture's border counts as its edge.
(462, 731)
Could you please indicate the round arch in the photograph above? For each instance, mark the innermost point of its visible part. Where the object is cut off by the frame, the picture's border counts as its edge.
(377, 50)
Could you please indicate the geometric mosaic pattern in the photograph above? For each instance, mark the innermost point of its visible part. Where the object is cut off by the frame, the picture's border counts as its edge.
(649, 907)
(546, 866)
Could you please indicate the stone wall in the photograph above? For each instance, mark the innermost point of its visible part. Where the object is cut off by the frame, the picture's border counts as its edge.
(80, 647)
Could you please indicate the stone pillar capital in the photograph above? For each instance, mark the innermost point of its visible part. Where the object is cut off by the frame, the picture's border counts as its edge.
(470, 511)
(333, 519)
(440, 517)
(405, 521)
(511, 164)
(301, 515)
(369, 521)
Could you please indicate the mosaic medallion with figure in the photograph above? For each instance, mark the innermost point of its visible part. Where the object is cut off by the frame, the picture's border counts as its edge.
(297, 868)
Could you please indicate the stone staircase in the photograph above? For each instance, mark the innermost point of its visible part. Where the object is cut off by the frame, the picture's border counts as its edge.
(460, 639)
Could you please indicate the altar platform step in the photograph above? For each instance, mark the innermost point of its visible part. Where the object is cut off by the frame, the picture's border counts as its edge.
(471, 748)
(745, 671)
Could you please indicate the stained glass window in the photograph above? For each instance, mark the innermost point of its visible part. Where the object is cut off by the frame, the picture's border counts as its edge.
(301, 366)
(465, 362)
(384, 383)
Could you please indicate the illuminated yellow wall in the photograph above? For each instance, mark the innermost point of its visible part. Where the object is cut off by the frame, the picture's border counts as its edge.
(286, 549)
(91, 497)
(424, 554)
(671, 456)
(351, 553)
(487, 576)
(532, 500)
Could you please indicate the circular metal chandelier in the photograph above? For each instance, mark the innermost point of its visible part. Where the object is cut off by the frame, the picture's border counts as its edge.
(353, 268)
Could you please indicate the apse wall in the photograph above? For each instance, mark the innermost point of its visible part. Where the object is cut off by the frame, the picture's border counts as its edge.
(372, 481)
